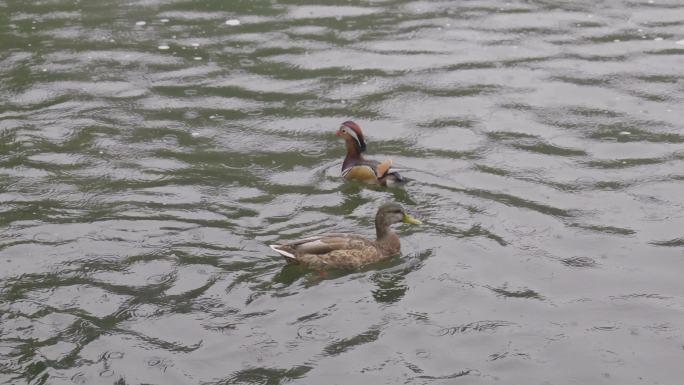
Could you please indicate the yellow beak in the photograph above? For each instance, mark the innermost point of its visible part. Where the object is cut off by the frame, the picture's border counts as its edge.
(411, 220)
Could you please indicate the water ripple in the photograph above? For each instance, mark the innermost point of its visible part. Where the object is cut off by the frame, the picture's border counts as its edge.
(150, 152)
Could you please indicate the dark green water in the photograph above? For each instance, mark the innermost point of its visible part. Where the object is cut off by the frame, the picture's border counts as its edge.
(149, 152)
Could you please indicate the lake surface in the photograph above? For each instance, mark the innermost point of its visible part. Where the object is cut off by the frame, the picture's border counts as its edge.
(151, 150)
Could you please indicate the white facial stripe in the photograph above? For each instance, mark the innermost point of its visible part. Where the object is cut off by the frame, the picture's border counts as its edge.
(353, 134)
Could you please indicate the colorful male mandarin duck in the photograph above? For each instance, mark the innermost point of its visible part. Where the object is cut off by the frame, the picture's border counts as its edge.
(349, 251)
(356, 167)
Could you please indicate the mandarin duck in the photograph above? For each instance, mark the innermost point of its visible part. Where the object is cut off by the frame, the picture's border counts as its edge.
(349, 251)
(356, 167)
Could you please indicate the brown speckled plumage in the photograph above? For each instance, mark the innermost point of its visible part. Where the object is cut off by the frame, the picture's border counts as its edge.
(349, 251)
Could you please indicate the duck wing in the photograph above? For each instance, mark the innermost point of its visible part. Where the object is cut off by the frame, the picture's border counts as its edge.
(382, 168)
(330, 250)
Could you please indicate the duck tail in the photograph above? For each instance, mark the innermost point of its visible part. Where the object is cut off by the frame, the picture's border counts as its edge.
(393, 178)
(289, 257)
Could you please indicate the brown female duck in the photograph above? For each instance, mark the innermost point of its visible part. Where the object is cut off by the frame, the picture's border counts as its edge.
(349, 251)
(356, 167)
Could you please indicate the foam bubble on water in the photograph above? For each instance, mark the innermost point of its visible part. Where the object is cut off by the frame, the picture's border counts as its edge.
(195, 134)
(198, 58)
(616, 41)
(140, 23)
(233, 22)
(195, 44)
(625, 133)
(163, 47)
(658, 39)
(164, 20)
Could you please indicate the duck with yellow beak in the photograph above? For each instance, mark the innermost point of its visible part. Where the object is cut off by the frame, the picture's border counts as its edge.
(356, 167)
(349, 251)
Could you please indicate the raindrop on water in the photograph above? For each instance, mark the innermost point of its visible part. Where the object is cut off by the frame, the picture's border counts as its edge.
(313, 333)
(140, 23)
(163, 47)
(233, 22)
(79, 378)
(154, 361)
(114, 355)
(246, 62)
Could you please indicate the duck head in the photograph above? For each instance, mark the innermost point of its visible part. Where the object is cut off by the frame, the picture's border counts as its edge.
(389, 214)
(352, 135)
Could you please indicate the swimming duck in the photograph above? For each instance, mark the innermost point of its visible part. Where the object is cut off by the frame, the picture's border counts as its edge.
(349, 251)
(356, 167)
